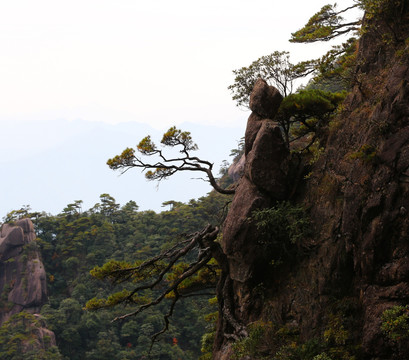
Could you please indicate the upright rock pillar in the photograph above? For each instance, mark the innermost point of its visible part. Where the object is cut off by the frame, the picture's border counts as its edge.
(263, 184)
(264, 181)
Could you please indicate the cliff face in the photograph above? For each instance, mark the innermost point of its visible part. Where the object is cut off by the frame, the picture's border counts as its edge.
(356, 263)
(359, 194)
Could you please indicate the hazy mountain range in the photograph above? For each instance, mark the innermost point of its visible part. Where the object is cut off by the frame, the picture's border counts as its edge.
(49, 164)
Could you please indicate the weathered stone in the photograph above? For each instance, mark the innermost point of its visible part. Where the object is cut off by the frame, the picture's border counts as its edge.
(253, 126)
(390, 148)
(264, 182)
(45, 338)
(30, 291)
(265, 100)
(12, 237)
(239, 234)
(22, 272)
(267, 162)
(394, 272)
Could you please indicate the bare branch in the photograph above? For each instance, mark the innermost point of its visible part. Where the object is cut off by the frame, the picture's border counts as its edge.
(166, 319)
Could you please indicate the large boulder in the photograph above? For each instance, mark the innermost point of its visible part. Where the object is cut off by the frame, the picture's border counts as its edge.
(267, 163)
(265, 99)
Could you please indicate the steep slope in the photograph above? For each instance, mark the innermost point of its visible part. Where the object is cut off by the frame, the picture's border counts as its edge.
(330, 297)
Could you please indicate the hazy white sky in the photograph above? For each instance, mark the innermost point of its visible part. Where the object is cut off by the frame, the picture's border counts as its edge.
(67, 64)
(158, 61)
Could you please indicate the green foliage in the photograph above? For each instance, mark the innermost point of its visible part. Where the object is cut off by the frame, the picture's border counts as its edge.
(174, 137)
(21, 339)
(126, 158)
(163, 166)
(395, 323)
(314, 103)
(316, 151)
(307, 111)
(146, 146)
(282, 226)
(322, 356)
(206, 277)
(380, 8)
(366, 153)
(325, 25)
(384, 19)
(207, 346)
(210, 334)
(335, 332)
(250, 346)
(74, 208)
(117, 270)
(236, 153)
(114, 299)
(23, 212)
(268, 341)
(335, 69)
(275, 68)
(299, 351)
(110, 237)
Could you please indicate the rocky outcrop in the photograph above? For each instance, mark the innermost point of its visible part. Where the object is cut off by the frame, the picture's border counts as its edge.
(23, 285)
(264, 181)
(22, 275)
(262, 184)
(265, 100)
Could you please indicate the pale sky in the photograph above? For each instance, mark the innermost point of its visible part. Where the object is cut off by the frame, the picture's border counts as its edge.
(157, 62)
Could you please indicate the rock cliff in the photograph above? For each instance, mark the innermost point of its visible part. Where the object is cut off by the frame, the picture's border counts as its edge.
(356, 263)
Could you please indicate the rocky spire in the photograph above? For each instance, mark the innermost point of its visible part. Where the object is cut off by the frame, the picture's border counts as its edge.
(263, 183)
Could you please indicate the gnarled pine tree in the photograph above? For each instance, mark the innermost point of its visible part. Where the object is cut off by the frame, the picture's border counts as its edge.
(164, 167)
